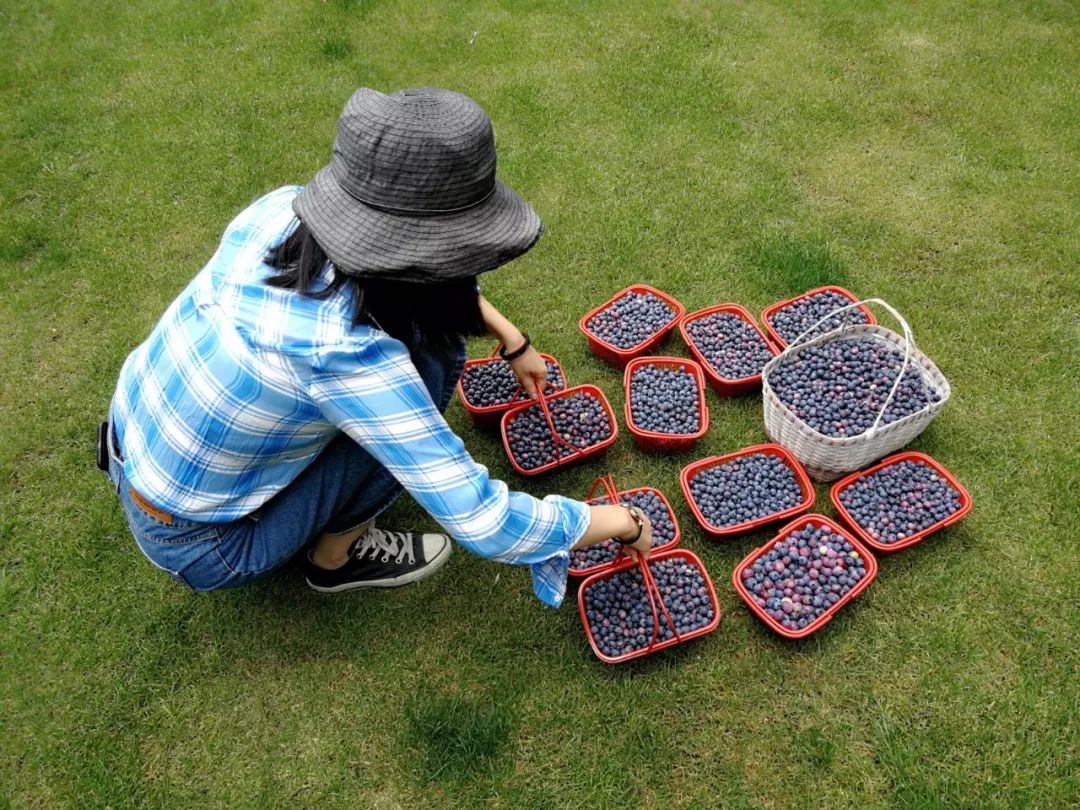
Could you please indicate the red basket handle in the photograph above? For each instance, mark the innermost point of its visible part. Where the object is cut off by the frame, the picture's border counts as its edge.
(608, 482)
(652, 590)
(541, 397)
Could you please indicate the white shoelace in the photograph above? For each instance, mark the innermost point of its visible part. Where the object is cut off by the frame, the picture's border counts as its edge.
(389, 544)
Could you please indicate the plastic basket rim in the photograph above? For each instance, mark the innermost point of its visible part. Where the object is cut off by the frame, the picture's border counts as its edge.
(772, 309)
(589, 388)
(769, 448)
(967, 503)
(483, 410)
(827, 616)
(878, 332)
(746, 315)
(703, 405)
(660, 645)
(645, 345)
(586, 572)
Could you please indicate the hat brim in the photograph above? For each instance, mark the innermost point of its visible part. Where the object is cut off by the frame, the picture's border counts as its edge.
(369, 243)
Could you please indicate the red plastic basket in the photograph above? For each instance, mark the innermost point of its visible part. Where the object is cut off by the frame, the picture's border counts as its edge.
(691, 470)
(666, 442)
(486, 415)
(577, 453)
(724, 386)
(768, 312)
(826, 617)
(620, 357)
(612, 495)
(657, 603)
(966, 502)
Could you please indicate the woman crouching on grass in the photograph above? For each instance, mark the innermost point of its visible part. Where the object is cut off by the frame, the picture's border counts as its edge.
(298, 384)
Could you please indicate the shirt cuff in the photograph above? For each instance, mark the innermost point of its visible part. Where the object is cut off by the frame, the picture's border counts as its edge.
(549, 576)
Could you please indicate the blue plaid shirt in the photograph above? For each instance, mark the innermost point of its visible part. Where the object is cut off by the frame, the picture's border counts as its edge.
(241, 385)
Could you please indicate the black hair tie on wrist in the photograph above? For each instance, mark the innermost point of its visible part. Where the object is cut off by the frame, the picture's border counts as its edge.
(516, 353)
(635, 513)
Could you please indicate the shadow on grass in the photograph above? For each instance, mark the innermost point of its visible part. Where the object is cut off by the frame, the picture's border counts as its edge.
(457, 736)
(788, 266)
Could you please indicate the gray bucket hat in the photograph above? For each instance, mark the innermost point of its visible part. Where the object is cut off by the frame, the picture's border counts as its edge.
(410, 193)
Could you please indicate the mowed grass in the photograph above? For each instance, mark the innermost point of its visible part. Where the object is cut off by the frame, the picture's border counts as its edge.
(741, 152)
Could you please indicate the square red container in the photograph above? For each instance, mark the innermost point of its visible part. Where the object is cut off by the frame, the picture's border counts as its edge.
(666, 442)
(584, 572)
(690, 470)
(826, 617)
(597, 448)
(724, 386)
(966, 502)
(677, 553)
(620, 357)
(485, 415)
(768, 312)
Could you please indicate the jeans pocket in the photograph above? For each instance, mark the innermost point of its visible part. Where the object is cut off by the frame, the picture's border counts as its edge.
(197, 564)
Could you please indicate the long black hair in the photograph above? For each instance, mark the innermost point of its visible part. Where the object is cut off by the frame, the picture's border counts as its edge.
(439, 311)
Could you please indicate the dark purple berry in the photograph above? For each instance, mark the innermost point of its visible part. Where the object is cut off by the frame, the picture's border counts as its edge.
(732, 347)
(579, 418)
(664, 400)
(802, 575)
(649, 502)
(619, 613)
(798, 316)
(631, 319)
(900, 500)
(744, 489)
(838, 388)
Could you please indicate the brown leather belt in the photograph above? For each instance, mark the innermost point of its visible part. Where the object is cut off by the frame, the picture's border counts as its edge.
(149, 508)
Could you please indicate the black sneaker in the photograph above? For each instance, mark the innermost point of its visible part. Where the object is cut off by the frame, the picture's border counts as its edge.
(382, 559)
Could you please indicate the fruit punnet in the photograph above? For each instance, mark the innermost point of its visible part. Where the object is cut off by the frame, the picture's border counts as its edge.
(665, 400)
(900, 500)
(798, 316)
(745, 489)
(579, 418)
(630, 320)
(838, 388)
(620, 615)
(663, 529)
(494, 383)
(803, 575)
(732, 347)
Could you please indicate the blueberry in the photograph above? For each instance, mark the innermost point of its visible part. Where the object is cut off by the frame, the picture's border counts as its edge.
(579, 418)
(812, 592)
(665, 400)
(838, 388)
(630, 319)
(650, 503)
(619, 613)
(494, 383)
(798, 316)
(744, 489)
(732, 347)
(900, 500)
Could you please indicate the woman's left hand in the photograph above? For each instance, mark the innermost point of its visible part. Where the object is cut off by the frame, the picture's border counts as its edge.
(530, 370)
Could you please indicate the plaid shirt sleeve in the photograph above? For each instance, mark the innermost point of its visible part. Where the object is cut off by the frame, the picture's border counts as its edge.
(370, 390)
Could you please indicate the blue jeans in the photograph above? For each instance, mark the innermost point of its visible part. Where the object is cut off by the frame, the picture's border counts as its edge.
(341, 489)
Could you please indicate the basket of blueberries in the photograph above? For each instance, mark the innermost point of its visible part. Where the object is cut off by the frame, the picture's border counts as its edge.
(742, 491)
(900, 502)
(665, 403)
(665, 527)
(558, 429)
(797, 581)
(731, 348)
(487, 386)
(631, 323)
(841, 399)
(786, 320)
(636, 607)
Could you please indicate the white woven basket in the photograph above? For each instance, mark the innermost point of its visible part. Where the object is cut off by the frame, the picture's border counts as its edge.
(827, 458)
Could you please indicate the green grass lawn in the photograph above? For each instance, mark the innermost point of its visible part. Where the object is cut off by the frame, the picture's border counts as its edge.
(925, 153)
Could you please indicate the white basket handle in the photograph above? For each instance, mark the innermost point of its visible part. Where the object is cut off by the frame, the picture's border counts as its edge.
(909, 345)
